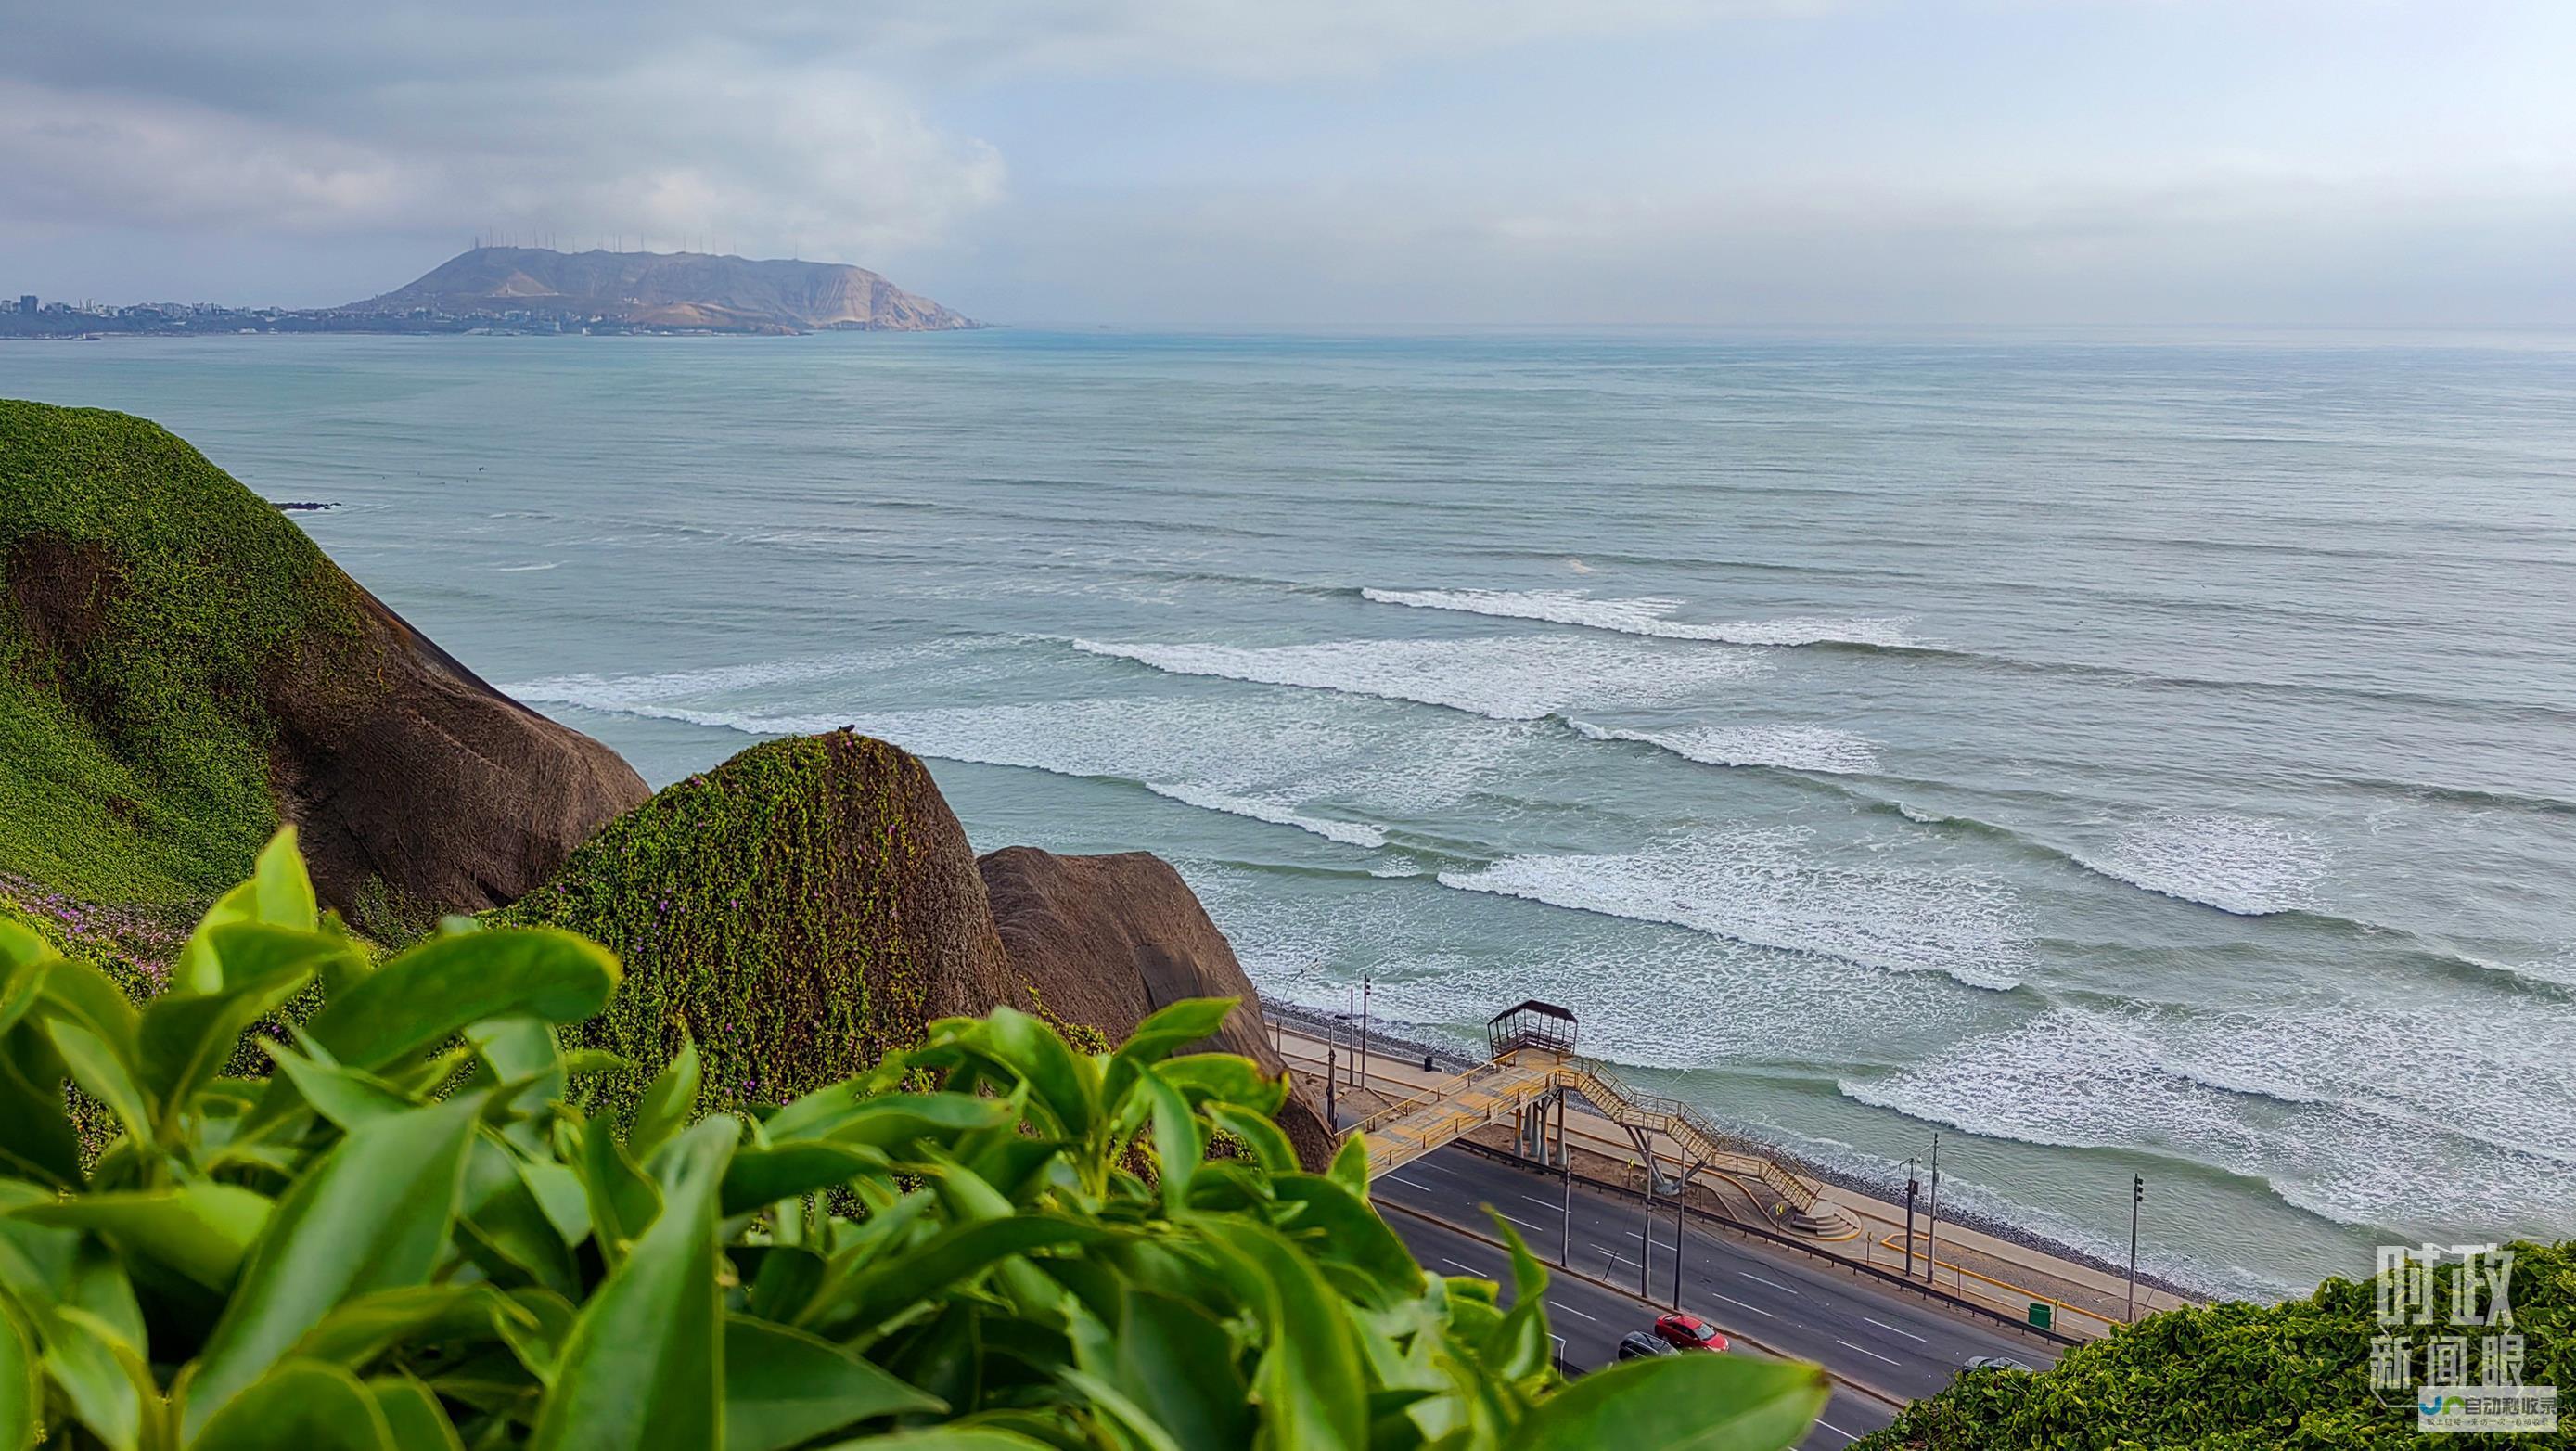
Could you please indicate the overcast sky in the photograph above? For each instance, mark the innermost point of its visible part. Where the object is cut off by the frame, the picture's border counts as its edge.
(1328, 162)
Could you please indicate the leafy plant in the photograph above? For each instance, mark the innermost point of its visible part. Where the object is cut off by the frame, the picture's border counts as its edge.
(2238, 1376)
(402, 1237)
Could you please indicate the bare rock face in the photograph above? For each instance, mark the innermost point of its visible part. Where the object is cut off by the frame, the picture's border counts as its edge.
(1105, 940)
(426, 778)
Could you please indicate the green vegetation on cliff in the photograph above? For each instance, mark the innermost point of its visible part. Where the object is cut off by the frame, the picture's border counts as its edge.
(794, 912)
(405, 1239)
(2240, 1377)
(143, 593)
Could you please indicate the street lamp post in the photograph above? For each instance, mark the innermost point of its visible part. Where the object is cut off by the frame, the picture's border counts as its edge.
(1332, 1114)
(1646, 1229)
(1932, 1215)
(1565, 1166)
(1367, 986)
(2137, 1196)
(1681, 1207)
(1351, 1019)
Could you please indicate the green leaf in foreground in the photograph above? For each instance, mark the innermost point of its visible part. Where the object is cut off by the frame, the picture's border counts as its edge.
(944, 1438)
(374, 1214)
(1681, 1403)
(783, 1387)
(405, 1238)
(441, 986)
(302, 1404)
(21, 1389)
(668, 1101)
(645, 1366)
(201, 1231)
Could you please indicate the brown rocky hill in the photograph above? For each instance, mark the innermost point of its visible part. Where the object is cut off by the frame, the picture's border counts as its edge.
(182, 669)
(667, 289)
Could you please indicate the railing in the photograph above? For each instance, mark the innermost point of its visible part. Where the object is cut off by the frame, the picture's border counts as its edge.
(1618, 1101)
(1446, 1088)
(1684, 1125)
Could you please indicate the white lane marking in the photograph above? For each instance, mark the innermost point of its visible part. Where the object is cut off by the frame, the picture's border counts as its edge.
(1847, 1436)
(1774, 1284)
(1452, 1173)
(1409, 1184)
(1570, 1310)
(1756, 1309)
(1471, 1269)
(1543, 1203)
(1908, 1334)
(1523, 1223)
(1865, 1350)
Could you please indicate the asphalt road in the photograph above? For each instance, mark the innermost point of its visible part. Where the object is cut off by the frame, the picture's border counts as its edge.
(1893, 1343)
(1590, 1320)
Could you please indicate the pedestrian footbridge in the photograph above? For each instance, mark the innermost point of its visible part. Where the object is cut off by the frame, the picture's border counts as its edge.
(1532, 1067)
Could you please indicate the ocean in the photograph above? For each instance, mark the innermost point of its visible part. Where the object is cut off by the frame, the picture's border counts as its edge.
(2121, 755)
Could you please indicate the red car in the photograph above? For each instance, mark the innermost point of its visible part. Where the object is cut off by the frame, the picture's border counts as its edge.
(1688, 1332)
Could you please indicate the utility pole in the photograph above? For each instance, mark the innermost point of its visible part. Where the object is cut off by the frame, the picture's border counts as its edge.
(1332, 1115)
(2137, 1196)
(1913, 1186)
(1932, 1213)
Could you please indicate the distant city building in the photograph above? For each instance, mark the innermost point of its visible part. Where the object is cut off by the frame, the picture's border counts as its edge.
(27, 302)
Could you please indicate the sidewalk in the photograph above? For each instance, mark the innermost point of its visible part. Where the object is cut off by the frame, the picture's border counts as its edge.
(2086, 1301)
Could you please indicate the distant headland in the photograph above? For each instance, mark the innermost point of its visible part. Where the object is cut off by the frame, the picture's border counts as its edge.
(535, 290)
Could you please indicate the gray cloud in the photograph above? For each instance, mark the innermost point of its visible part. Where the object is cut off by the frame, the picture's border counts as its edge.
(150, 145)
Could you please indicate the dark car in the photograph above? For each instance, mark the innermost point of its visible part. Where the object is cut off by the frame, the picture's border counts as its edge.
(1993, 1362)
(1688, 1332)
(1638, 1345)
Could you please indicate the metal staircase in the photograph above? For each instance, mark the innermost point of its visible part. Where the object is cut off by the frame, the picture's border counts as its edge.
(1532, 1058)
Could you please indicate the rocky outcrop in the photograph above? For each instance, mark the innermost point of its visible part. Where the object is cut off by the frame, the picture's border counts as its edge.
(181, 669)
(1105, 940)
(424, 777)
(799, 911)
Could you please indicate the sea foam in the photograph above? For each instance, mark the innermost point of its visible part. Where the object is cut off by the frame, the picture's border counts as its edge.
(2331, 1109)
(1768, 887)
(2247, 865)
(1517, 678)
(1788, 747)
(1650, 616)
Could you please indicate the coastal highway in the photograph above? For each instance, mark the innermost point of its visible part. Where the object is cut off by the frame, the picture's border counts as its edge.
(1884, 1339)
(1590, 1319)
